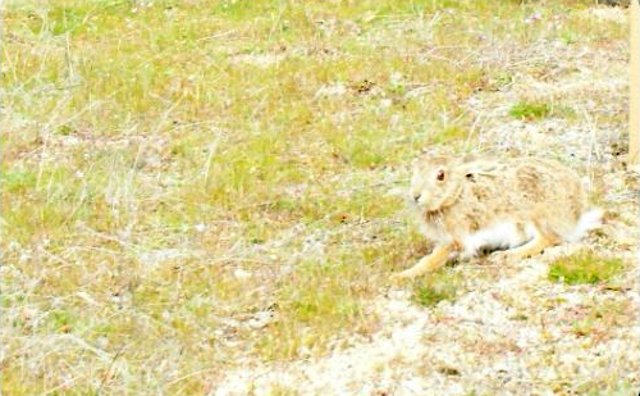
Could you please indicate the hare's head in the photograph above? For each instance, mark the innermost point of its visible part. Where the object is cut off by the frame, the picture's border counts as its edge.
(436, 182)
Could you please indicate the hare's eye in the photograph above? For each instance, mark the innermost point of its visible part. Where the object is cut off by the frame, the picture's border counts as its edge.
(440, 176)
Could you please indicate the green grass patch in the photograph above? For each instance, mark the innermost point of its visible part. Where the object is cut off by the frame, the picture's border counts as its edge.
(537, 110)
(584, 267)
(530, 110)
(430, 289)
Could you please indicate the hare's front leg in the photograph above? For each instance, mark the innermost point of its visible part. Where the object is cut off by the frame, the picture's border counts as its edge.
(429, 263)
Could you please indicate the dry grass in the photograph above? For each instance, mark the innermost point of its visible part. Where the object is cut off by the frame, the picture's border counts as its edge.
(192, 187)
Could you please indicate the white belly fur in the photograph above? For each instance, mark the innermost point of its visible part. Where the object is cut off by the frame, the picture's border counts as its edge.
(501, 235)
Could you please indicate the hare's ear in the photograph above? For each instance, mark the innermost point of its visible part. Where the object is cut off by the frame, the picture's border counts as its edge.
(470, 158)
(473, 168)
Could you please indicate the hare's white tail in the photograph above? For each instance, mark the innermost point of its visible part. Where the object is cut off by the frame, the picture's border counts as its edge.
(590, 220)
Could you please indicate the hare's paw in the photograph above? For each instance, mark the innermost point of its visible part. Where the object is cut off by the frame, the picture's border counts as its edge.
(403, 276)
(420, 268)
(504, 257)
(511, 257)
(427, 264)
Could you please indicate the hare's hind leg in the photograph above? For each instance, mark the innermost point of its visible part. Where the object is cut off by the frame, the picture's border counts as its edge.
(534, 247)
(429, 263)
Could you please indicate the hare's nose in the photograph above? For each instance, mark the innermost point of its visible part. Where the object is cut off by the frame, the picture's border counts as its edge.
(417, 197)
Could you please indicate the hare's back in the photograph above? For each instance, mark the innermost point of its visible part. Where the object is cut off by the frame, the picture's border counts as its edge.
(543, 171)
(548, 181)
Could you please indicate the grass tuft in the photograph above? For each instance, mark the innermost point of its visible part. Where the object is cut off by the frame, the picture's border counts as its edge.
(530, 110)
(440, 286)
(584, 267)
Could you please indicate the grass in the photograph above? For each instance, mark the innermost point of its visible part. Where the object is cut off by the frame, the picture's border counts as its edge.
(432, 289)
(537, 110)
(171, 171)
(584, 267)
(530, 110)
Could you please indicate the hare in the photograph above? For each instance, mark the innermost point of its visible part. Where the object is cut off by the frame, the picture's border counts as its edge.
(467, 205)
